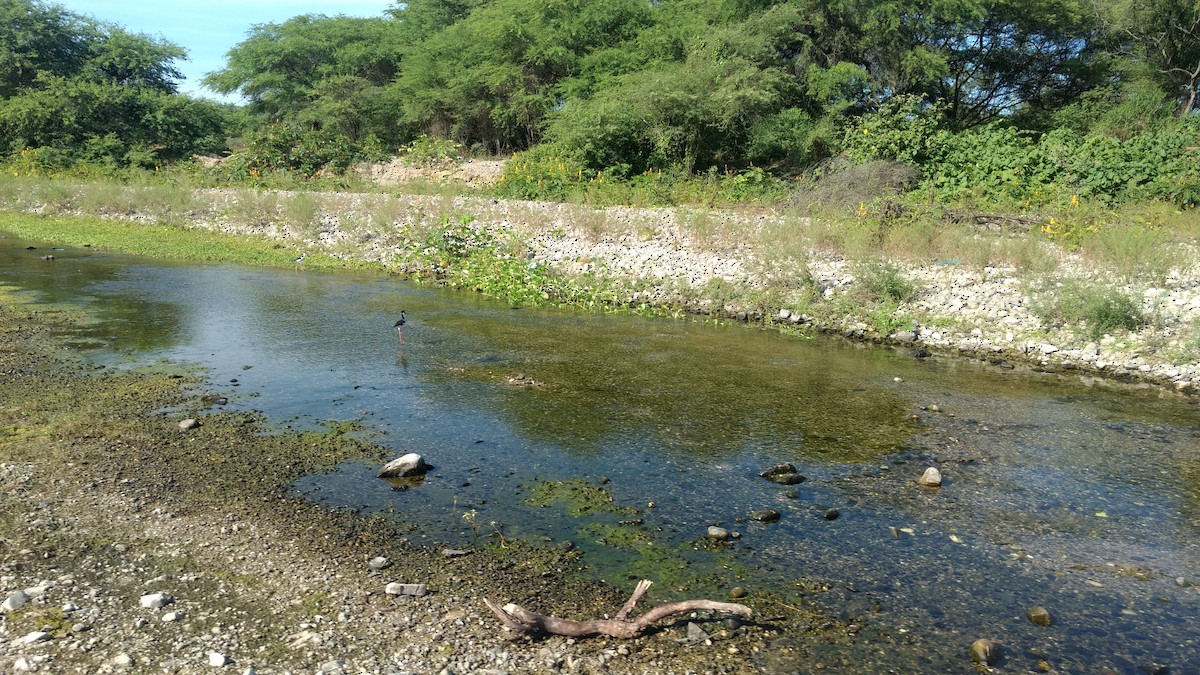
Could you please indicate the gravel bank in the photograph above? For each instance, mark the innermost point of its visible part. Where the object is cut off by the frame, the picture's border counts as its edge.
(986, 313)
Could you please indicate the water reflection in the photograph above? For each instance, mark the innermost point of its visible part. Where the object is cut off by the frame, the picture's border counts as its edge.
(1083, 500)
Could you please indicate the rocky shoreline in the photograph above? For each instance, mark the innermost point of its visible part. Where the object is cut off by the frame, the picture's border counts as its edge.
(985, 313)
(131, 544)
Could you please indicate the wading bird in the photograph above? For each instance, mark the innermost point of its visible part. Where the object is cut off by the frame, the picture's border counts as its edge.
(301, 258)
(400, 326)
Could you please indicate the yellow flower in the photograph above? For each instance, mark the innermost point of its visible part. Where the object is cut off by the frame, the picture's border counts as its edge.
(1075, 201)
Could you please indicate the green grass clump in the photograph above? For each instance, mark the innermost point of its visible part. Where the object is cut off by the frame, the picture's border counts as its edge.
(1098, 310)
(885, 282)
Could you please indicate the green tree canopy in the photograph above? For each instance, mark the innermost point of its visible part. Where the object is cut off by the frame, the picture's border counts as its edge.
(94, 91)
(318, 71)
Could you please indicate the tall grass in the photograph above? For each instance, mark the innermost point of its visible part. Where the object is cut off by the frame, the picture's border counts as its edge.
(1134, 251)
(1094, 308)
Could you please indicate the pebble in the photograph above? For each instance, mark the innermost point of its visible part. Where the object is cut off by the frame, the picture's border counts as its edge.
(122, 660)
(218, 660)
(831, 514)
(379, 563)
(188, 424)
(415, 590)
(738, 592)
(172, 616)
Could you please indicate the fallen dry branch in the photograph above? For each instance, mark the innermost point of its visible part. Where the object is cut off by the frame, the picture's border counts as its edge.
(521, 620)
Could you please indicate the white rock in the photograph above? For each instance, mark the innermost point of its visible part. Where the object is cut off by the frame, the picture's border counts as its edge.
(188, 424)
(15, 601)
(1048, 348)
(931, 478)
(122, 660)
(718, 533)
(36, 636)
(218, 660)
(39, 590)
(22, 664)
(379, 563)
(172, 616)
(411, 464)
(250, 671)
(155, 600)
(395, 588)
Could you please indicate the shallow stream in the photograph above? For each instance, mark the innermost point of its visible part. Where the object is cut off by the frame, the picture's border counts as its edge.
(1076, 496)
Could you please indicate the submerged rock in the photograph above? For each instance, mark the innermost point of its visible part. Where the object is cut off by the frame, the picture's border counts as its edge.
(1039, 616)
(985, 651)
(765, 515)
(784, 474)
(411, 464)
(931, 478)
(778, 470)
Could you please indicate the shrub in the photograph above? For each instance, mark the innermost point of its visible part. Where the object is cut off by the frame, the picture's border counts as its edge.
(885, 282)
(543, 172)
(1097, 309)
(289, 148)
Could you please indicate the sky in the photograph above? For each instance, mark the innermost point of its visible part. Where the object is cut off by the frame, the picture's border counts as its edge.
(209, 29)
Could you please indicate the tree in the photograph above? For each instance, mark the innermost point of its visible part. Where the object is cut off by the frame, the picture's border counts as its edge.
(493, 76)
(1164, 35)
(318, 71)
(90, 91)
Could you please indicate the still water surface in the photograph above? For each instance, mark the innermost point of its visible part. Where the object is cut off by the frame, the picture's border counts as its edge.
(1079, 498)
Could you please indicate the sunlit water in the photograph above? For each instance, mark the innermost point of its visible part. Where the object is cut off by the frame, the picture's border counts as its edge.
(1081, 499)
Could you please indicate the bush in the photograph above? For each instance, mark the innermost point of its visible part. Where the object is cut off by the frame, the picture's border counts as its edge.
(885, 282)
(288, 148)
(543, 172)
(1098, 310)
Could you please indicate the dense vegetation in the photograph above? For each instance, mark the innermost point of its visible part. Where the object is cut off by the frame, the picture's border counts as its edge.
(1019, 101)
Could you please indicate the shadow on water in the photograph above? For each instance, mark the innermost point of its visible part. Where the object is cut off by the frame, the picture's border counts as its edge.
(628, 437)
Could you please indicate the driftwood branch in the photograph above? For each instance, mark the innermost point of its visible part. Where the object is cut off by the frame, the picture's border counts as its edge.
(520, 620)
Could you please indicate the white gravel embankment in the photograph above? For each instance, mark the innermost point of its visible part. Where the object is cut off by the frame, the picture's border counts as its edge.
(980, 313)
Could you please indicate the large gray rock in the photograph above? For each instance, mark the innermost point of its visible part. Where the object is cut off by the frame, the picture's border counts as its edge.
(985, 651)
(411, 464)
(931, 478)
(155, 600)
(15, 601)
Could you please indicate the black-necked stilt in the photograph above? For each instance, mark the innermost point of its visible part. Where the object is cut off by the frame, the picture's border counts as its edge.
(301, 258)
(400, 326)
